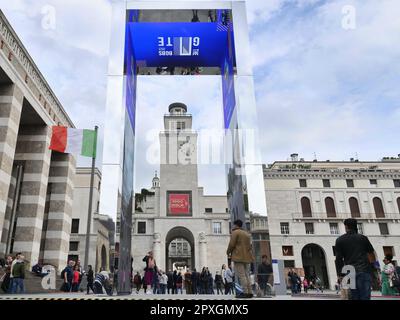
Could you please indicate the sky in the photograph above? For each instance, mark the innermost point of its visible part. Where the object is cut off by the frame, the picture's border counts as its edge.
(326, 77)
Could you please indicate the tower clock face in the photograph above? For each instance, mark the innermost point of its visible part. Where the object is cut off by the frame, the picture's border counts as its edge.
(186, 151)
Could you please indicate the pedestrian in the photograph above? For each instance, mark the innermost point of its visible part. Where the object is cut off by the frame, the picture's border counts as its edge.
(195, 281)
(355, 249)
(170, 282)
(204, 281)
(387, 276)
(163, 282)
(137, 281)
(18, 273)
(218, 282)
(90, 279)
(101, 280)
(305, 285)
(6, 285)
(229, 277)
(240, 252)
(174, 280)
(144, 285)
(179, 283)
(188, 281)
(264, 272)
(156, 281)
(67, 275)
(75, 279)
(115, 278)
(150, 268)
(210, 282)
(81, 272)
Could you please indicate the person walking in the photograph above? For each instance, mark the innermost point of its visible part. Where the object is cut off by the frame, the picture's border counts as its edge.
(75, 279)
(264, 272)
(305, 284)
(218, 282)
(356, 250)
(387, 275)
(174, 281)
(18, 273)
(170, 282)
(229, 280)
(90, 279)
(240, 252)
(188, 282)
(204, 281)
(150, 268)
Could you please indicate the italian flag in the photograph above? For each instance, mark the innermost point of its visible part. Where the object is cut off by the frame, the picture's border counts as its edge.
(77, 141)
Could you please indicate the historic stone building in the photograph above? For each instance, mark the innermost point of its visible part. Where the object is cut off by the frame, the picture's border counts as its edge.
(36, 185)
(102, 227)
(174, 218)
(307, 203)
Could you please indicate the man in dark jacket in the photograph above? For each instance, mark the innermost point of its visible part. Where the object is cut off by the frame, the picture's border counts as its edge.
(67, 275)
(90, 279)
(354, 249)
(264, 273)
(170, 282)
(195, 281)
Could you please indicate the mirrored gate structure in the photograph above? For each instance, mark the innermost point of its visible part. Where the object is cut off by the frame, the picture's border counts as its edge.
(148, 37)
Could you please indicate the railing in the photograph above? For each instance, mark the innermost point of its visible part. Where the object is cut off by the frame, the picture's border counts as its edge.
(342, 216)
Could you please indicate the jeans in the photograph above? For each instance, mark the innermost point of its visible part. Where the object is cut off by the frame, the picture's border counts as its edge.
(363, 287)
(163, 288)
(18, 283)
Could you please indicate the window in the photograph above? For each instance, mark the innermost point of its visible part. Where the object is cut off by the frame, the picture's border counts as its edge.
(373, 182)
(226, 210)
(180, 125)
(388, 251)
(334, 228)
(217, 227)
(326, 183)
(383, 228)
(309, 228)
(350, 183)
(330, 207)
(248, 226)
(73, 245)
(75, 226)
(118, 227)
(354, 208)
(284, 227)
(378, 207)
(288, 263)
(360, 228)
(334, 251)
(141, 227)
(398, 203)
(209, 210)
(396, 183)
(306, 207)
(287, 250)
(303, 183)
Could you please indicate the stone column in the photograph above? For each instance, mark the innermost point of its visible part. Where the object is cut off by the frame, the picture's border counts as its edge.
(11, 99)
(202, 250)
(57, 233)
(157, 249)
(33, 149)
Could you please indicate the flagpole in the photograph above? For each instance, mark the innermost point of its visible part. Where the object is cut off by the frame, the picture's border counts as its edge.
(89, 222)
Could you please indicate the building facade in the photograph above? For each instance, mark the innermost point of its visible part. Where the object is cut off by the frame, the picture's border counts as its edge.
(307, 203)
(174, 218)
(36, 184)
(102, 227)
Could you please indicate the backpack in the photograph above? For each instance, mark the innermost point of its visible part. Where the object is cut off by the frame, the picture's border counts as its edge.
(62, 274)
(396, 279)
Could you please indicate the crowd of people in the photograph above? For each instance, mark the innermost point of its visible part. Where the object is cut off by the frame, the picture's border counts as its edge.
(14, 275)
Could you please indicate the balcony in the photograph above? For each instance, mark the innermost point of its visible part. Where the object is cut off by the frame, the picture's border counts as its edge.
(342, 216)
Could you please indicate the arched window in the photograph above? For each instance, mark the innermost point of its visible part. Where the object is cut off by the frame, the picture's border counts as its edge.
(354, 208)
(398, 203)
(306, 207)
(330, 207)
(378, 207)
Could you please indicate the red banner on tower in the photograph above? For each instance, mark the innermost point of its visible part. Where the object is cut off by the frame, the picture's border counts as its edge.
(179, 204)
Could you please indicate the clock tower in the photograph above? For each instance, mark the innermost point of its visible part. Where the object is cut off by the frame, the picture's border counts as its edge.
(178, 164)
